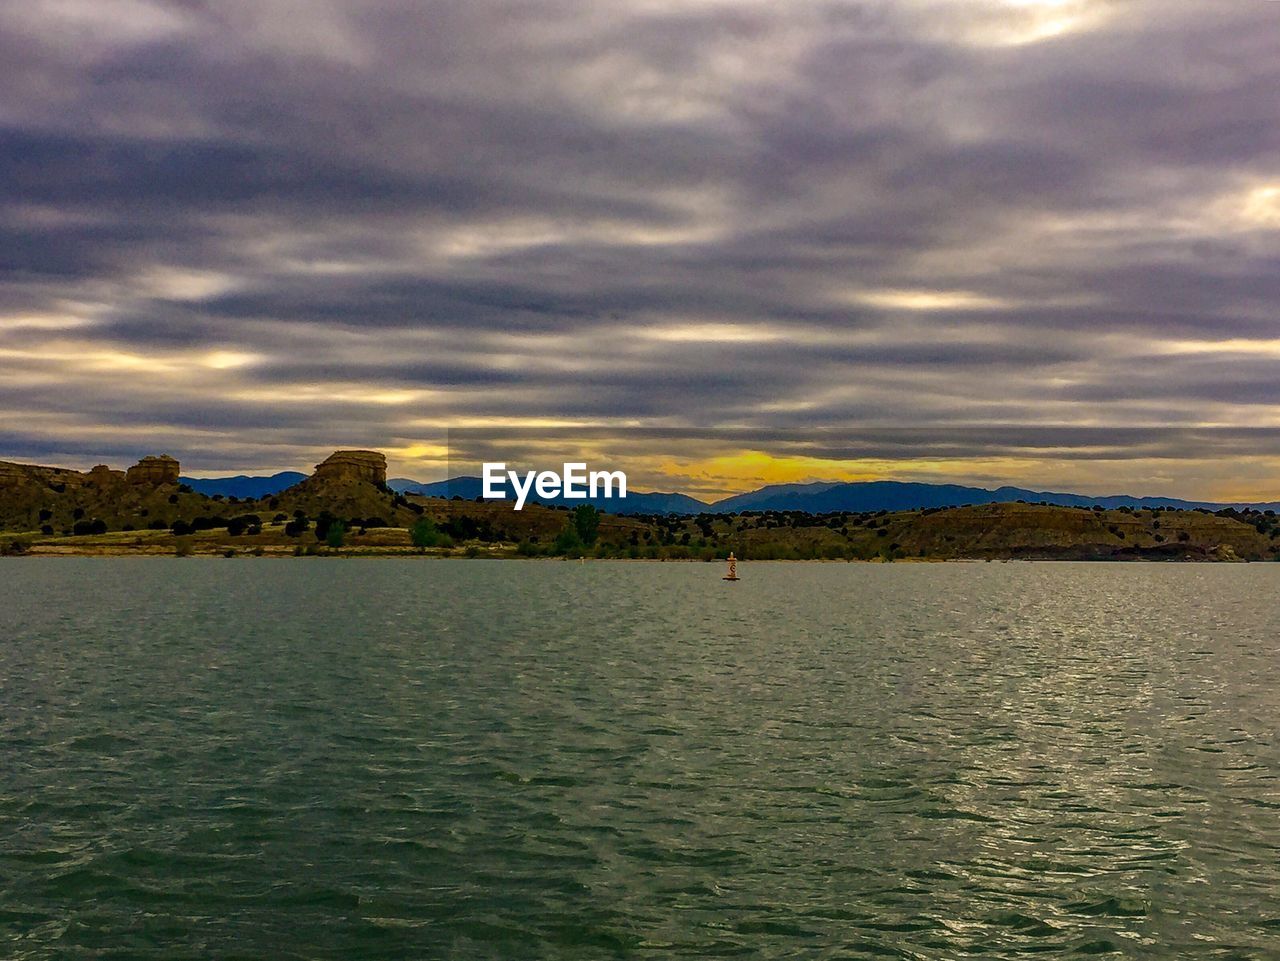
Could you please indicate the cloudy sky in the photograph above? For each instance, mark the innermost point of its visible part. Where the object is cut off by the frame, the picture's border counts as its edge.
(1037, 239)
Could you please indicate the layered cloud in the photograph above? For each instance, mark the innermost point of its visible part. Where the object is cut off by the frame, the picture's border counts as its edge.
(249, 231)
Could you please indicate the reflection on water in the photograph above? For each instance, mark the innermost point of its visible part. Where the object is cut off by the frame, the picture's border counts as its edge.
(417, 759)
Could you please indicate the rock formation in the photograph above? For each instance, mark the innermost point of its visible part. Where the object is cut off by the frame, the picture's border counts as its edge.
(12, 473)
(353, 465)
(154, 471)
(102, 474)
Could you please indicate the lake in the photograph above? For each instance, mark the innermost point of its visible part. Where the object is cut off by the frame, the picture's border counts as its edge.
(387, 759)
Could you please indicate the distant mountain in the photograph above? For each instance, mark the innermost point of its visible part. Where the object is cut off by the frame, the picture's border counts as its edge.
(636, 502)
(243, 485)
(763, 498)
(899, 496)
(826, 496)
(403, 485)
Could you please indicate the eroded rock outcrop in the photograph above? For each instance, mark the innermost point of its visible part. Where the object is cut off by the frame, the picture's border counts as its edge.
(12, 473)
(101, 474)
(154, 471)
(353, 465)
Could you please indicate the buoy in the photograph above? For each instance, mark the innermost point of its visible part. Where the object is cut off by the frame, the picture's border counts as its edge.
(733, 568)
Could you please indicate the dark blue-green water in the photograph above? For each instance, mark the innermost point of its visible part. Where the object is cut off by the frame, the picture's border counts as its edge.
(328, 759)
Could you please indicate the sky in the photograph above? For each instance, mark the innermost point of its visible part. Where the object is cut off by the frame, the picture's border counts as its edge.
(1034, 241)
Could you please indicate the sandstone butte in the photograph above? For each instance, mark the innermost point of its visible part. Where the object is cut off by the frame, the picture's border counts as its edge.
(153, 471)
(345, 466)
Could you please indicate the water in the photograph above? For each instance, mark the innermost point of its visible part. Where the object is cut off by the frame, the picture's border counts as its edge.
(341, 759)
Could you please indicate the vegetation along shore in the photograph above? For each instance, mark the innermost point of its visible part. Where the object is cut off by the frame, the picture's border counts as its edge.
(345, 508)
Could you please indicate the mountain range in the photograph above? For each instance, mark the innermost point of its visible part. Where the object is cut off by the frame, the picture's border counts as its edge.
(245, 486)
(813, 498)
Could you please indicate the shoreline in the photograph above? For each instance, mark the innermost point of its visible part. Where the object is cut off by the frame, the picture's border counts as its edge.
(462, 555)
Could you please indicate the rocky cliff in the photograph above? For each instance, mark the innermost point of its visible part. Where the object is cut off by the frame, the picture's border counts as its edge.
(153, 471)
(35, 498)
(347, 466)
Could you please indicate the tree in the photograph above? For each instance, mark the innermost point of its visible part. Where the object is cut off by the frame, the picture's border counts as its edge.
(424, 533)
(569, 543)
(323, 523)
(336, 535)
(586, 519)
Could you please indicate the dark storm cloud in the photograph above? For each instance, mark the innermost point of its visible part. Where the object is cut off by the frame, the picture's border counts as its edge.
(252, 231)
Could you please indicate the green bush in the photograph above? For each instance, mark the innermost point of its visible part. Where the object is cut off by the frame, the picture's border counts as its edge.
(569, 541)
(424, 534)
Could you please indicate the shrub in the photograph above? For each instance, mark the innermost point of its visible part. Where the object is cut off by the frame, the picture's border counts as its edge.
(245, 522)
(323, 523)
(424, 533)
(569, 543)
(336, 535)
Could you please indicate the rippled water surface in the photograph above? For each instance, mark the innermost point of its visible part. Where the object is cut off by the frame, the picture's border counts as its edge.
(419, 759)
